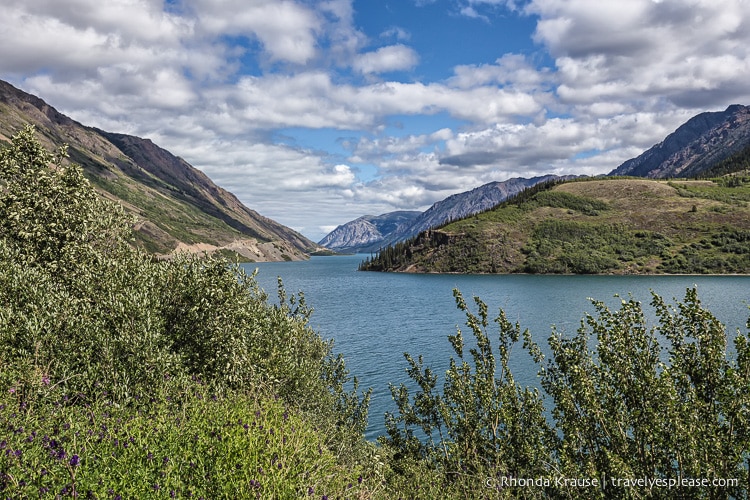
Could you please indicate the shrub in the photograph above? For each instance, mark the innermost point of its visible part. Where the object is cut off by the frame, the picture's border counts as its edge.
(80, 305)
(193, 445)
(668, 403)
(483, 424)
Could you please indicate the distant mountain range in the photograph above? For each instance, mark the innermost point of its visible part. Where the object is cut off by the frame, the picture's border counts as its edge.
(178, 207)
(370, 233)
(367, 233)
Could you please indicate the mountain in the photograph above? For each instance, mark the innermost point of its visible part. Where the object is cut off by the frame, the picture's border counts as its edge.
(467, 203)
(593, 226)
(371, 233)
(367, 233)
(695, 147)
(178, 207)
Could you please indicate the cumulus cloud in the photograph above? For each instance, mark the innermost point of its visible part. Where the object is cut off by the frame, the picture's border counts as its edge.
(510, 70)
(691, 53)
(287, 29)
(385, 59)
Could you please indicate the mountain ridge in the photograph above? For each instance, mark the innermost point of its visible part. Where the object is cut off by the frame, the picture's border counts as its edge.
(592, 226)
(703, 141)
(179, 207)
(362, 235)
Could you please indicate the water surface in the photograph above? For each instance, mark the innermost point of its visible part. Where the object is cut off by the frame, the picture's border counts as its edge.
(375, 317)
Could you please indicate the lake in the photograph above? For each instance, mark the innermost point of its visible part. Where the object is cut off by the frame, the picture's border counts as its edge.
(375, 317)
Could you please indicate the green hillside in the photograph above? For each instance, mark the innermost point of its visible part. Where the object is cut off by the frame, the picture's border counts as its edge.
(604, 225)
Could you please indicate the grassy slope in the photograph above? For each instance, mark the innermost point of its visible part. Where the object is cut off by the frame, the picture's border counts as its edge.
(599, 226)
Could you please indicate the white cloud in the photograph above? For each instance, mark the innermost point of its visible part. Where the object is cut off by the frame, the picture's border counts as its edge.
(509, 70)
(691, 53)
(287, 30)
(385, 59)
(396, 32)
(339, 176)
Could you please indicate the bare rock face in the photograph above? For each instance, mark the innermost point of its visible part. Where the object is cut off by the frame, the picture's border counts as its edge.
(366, 233)
(699, 144)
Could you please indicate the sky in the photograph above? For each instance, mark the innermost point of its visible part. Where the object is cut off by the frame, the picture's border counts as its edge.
(315, 113)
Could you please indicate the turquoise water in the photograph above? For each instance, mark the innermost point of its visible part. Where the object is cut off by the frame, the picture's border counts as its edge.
(375, 317)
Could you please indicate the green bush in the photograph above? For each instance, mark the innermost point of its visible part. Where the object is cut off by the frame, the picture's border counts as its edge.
(482, 424)
(627, 402)
(195, 445)
(83, 309)
(559, 246)
(561, 199)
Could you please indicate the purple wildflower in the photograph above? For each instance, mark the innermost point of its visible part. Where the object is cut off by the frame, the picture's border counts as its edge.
(74, 460)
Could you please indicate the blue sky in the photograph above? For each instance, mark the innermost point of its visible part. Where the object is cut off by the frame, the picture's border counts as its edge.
(317, 112)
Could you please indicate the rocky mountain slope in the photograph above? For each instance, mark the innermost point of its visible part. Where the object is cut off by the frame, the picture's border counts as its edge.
(371, 233)
(367, 233)
(467, 203)
(695, 147)
(177, 206)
